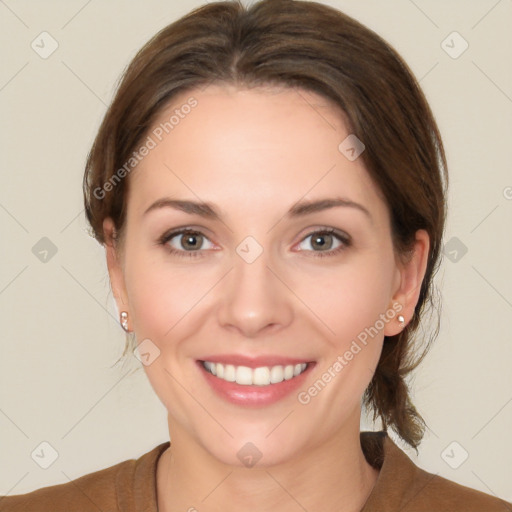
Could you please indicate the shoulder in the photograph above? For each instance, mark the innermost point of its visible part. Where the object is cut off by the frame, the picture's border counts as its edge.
(433, 492)
(94, 491)
(120, 487)
(404, 486)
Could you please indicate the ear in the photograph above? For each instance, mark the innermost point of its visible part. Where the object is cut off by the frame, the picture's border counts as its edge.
(115, 267)
(410, 276)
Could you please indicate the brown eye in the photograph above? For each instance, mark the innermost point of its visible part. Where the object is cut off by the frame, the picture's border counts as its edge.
(322, 241)
(185, 242)
(325, 242)
(191, 241)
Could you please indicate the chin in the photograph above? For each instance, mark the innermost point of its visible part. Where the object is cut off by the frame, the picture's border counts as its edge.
(256, 454)
(258, 447)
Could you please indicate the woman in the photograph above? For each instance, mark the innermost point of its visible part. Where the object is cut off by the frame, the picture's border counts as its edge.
(269, 184)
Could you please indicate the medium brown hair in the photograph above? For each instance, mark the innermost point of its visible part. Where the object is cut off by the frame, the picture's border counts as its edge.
(310, 46)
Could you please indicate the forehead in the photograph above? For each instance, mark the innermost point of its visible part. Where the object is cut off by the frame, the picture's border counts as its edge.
(271, 146)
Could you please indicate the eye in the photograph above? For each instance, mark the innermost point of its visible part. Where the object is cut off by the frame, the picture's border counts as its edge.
(185, 242)
(325, 242)
(188, 242)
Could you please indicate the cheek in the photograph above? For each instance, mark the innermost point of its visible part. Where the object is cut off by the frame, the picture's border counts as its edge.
(162, 295)
(166, 307)
(351, 298)
(352, 304)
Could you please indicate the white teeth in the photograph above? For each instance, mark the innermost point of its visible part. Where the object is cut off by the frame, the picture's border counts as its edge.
(276, 374)
(288, 372)
(229, 373)
(243, 375)
(261, 376)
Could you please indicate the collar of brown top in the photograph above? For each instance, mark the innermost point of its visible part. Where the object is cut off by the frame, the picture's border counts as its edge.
(380, 451)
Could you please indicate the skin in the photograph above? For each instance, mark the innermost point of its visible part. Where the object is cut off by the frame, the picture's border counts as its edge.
(253, 154)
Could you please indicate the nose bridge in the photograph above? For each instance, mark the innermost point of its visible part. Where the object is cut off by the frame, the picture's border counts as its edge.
(253, 297)
(251, 270)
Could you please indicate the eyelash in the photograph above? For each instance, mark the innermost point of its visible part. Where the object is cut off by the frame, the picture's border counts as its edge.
(343, 238)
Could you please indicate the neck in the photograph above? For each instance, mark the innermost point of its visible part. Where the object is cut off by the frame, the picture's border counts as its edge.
(335, 475)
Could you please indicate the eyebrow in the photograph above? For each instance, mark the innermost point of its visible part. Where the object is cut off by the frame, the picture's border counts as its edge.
(299, 209)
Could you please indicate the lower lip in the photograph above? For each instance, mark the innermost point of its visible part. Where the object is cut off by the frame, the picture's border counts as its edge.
(258, 396)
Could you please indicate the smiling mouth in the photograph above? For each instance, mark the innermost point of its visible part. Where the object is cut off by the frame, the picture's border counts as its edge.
(260, 376)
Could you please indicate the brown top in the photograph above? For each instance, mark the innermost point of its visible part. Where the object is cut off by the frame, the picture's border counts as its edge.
(130, 486)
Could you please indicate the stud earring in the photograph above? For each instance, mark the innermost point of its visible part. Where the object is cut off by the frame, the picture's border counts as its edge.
(401, 319)
(124, 320)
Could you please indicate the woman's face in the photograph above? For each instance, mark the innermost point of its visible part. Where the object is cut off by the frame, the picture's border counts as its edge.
(263, 280)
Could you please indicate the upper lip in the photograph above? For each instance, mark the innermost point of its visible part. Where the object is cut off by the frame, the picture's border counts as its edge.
(255, 362)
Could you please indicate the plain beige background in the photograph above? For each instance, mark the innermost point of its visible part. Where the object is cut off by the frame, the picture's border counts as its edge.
(60, 335)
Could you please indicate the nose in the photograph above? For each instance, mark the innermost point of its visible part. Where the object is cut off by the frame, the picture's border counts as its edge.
(255, 299)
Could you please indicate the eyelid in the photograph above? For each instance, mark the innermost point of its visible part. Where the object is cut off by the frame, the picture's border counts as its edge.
(181, 230)
(345, 241)
(169, 235)
(343, 238)
(342, 235)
